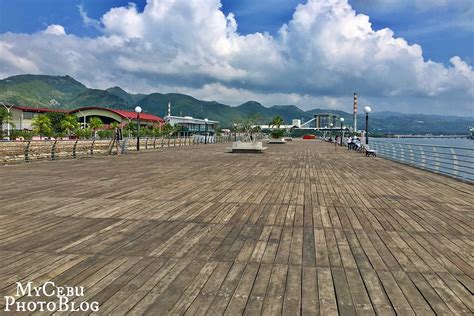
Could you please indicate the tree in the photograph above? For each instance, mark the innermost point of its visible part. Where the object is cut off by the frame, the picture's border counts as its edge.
(114, 125)
(6, 117)
(168, 129)
(95, 123)
(56, 118)
(42, 125)
(83, 133)
(277, 121)
(131, 129)
(69, 124)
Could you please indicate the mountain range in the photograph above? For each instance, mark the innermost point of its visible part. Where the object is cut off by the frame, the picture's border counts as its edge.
(65, 92)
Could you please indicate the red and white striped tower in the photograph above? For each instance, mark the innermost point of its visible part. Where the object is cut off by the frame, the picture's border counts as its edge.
(355, 112)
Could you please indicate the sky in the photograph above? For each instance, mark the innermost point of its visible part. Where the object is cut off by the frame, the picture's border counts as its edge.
(411, 56)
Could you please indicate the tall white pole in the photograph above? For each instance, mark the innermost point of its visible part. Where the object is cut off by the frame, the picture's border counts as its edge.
(355, 112)
(8, 123)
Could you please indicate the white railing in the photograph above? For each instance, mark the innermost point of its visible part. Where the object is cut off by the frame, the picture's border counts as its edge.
(457, 162)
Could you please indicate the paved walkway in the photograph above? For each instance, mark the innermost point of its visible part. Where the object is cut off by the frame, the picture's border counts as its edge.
(300, 229)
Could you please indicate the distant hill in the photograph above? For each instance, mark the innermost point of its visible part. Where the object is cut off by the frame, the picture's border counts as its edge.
(66, 92)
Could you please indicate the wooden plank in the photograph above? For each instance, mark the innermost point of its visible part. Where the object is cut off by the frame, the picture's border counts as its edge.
(273, 303)
(292, 298)
(327, 295)
(309, 293)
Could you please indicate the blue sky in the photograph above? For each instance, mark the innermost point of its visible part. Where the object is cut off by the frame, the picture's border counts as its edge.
(399, 55)
(431, 27)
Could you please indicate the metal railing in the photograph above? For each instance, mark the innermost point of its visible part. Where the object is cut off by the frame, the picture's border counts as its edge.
(29, 150)
(456, 162)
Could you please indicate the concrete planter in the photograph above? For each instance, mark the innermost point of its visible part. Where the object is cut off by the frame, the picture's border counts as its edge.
(277, 141)
(241, 147)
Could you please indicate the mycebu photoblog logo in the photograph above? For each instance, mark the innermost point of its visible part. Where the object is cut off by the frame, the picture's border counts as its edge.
(59, 298)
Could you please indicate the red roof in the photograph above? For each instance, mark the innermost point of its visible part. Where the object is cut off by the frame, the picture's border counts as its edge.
(121, 113)
(38, 110)
(143, 116)
(124, 114)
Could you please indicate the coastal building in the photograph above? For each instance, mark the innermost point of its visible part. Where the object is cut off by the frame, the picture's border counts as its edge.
(22, 116)
(189, 125)
(122, 117)
(193, 126)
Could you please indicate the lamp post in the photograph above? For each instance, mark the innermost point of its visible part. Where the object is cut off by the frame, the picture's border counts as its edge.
(342, 121)
(205, 137)
(138, 110)
(367, 110)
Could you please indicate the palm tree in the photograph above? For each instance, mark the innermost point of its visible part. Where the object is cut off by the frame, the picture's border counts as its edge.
(42, 125)
(69, 124)
(95, 123)
(114, 125)
(277, 121)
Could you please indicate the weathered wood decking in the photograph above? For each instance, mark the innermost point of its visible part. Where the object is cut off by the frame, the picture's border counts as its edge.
(196, 230)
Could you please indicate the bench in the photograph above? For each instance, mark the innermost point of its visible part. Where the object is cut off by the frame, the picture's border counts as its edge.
(369, 152)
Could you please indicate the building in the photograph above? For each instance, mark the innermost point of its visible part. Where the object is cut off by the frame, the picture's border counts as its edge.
(192, 126)
(109, 116)
(22, 116)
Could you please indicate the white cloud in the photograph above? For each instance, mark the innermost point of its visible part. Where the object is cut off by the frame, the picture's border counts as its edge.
(55, 29)
(323, 54)
(87, 20)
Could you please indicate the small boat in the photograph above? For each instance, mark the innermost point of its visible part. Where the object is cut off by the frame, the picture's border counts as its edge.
(471, 133)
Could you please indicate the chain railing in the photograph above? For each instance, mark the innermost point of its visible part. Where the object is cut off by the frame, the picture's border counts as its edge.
(457, 162)
(30, 150)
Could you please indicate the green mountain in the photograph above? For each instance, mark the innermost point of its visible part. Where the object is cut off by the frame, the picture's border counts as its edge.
(66, 92)
(40, 90)
(129, 98)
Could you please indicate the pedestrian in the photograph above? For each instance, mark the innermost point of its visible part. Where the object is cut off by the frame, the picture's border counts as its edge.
(117, 139)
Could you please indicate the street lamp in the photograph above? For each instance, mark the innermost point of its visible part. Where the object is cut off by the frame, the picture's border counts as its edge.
(342, 121)
(205, 122)
(367, 110)
(138, 110)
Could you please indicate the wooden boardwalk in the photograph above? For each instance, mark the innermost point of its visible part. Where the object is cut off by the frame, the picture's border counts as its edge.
(195, 230)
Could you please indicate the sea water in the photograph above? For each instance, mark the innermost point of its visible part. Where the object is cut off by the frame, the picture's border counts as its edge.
(454, 157)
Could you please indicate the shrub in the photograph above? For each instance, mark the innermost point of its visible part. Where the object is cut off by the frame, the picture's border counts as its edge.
(105, 134)
(277, 133)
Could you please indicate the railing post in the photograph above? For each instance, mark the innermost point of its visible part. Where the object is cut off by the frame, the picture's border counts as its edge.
(146, 143)
(74, 149)
(412, 155)
(123, 146)
(437, 165)
(92, 148)
(27, 151)
(423, 158)
(402, 152)
(53, 150)
(455, 162)
(394, 152)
